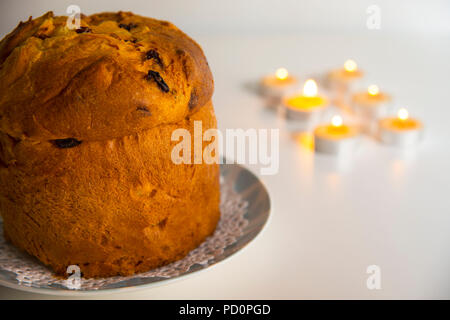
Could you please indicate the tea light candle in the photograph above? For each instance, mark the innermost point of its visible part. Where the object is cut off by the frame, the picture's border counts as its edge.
(336, 137)
(401, 130)
(305, 106)
(347, 74)
(278, 84)
(340, 81)
(371, 103)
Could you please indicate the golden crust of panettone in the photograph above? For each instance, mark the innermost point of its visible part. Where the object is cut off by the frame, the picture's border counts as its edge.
(114, 203)
(90, 83)
(112, 207)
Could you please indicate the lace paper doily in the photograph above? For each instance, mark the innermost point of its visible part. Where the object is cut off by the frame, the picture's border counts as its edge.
(29, 272)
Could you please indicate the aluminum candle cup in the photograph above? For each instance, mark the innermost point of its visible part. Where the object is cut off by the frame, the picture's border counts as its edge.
(336, 137)
(371, 103)
(401, 131)
(369, 106)
(307, 106)
(349, 74)
(277, 85)
(342, 81)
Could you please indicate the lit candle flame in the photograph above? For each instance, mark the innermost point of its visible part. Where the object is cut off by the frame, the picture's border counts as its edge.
(281, 74)
(310, 88)
(402, 114)
(336, 121)
(350, 65)
(373, 90)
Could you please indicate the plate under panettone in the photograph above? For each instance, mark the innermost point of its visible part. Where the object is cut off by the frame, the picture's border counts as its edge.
(245, 208)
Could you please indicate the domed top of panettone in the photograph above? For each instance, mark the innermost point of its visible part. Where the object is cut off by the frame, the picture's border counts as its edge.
(116, 75)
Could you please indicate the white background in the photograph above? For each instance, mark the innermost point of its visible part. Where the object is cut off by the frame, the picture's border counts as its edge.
(331, 217)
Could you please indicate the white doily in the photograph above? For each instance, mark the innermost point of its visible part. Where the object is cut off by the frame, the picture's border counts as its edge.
(29, 272)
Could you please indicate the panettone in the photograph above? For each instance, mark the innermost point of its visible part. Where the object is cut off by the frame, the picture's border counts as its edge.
(86, 120)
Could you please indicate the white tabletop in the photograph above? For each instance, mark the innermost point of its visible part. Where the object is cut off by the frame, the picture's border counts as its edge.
(330, 218)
